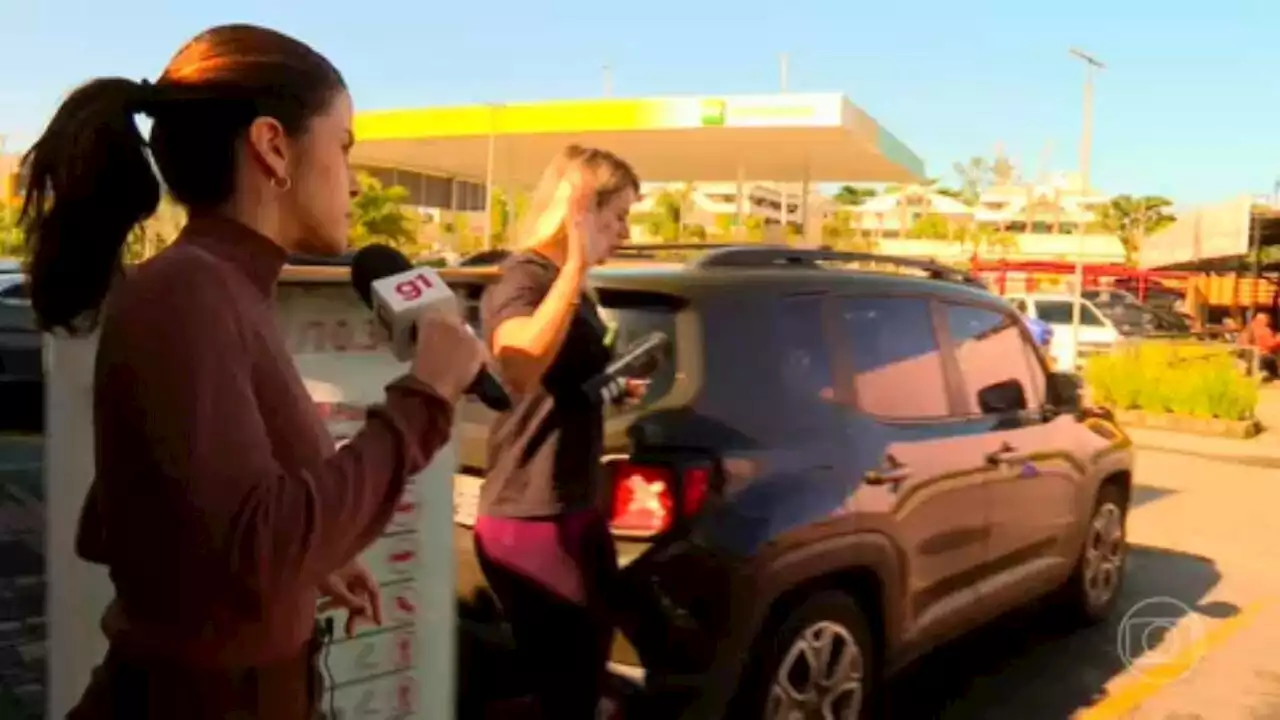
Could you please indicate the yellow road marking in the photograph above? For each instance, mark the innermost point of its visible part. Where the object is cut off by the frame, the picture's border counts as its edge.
(1151, 680)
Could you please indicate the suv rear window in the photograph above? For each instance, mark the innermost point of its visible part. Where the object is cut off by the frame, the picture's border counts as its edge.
(634, 315)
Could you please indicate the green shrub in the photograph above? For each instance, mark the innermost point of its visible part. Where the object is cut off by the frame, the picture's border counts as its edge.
(1199, 380)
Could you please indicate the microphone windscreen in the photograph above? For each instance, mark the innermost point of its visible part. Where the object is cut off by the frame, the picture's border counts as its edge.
(372, 263)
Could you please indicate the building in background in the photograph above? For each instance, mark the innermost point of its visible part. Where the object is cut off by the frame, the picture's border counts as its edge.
(774, 211)
(1059, 207)
(1018, 221)
(448, 206)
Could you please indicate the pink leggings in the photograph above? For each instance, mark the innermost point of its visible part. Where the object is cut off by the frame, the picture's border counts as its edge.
(553, 578)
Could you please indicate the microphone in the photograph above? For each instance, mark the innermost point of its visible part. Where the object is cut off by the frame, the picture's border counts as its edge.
(399, 293)
(640, 360)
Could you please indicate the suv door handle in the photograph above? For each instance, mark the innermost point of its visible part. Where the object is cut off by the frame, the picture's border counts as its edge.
(892, 471)
(1004, 455)
(886, 476)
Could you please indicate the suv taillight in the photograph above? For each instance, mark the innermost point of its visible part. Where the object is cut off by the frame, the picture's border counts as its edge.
(647, 499)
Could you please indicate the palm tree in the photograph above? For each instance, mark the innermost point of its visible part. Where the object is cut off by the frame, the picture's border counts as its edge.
(156, 232)
(1002, 170)
(378, 215)
(668, 209)
(1131, 219)
(10, 233)
(975, 176)
(851, 195)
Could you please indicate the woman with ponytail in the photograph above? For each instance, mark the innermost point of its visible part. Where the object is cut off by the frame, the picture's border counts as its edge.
(220, 507)
(543, 543)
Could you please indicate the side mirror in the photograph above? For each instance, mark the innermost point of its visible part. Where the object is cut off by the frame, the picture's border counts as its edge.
(1002, 397)
(1064, 391)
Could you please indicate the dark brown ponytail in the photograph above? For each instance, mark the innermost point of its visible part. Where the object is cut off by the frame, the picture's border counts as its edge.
(90, 181)
(91, 176)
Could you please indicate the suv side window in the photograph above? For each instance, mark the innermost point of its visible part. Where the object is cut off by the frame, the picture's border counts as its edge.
(804, 365)
(895, 357)
(990, 348)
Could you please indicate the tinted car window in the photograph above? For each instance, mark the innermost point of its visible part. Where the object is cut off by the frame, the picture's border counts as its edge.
(990, 348)
(895, 357)
(13, 288)
(1058, 312)
(634, 316)
(804, 366)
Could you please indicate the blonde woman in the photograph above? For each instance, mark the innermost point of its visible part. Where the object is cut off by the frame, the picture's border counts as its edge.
(542, 541)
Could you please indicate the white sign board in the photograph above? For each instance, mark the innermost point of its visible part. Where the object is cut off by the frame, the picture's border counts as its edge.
(1209, 232)
(76, 592)
(403, 670)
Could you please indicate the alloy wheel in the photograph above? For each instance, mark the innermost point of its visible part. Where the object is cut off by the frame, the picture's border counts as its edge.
(820, 677)
(1104, 552)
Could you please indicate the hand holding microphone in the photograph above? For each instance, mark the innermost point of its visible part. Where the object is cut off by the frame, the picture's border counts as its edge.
(447, 355)
(425, 327)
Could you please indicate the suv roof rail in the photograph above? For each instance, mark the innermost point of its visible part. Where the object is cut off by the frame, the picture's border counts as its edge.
(646, 250)
(772, 256)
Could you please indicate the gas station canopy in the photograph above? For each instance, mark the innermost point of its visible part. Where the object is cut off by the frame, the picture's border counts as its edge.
(782, 138)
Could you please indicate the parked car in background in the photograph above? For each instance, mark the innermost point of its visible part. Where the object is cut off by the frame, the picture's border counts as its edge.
(1132, 317)
(1152, 293)
(1097, 332)
(21, 359)
(829, 464)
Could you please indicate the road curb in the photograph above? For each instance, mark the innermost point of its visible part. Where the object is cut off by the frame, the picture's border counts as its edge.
(1265, 460)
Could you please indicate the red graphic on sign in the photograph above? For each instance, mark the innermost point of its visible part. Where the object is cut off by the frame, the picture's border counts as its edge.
(404, 650)
(401, 557)
(327, 336)
(404, 694)
(405, 604)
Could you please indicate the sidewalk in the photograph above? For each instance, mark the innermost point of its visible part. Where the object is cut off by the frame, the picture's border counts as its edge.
(1263, 451)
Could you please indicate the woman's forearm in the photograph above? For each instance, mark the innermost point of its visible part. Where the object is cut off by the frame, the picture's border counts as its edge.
(525, 346)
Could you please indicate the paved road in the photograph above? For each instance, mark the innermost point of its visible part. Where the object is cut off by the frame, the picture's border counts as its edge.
(1204, 533)
(22, 628)
(1205, 536)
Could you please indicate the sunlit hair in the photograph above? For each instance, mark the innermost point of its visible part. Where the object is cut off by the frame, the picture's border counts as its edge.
(604, 172)
(93, 178)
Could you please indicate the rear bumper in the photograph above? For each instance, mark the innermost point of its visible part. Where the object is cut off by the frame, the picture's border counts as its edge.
(671, 611)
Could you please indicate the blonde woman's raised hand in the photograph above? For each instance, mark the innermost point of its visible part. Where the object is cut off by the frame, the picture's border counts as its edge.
(579, 220)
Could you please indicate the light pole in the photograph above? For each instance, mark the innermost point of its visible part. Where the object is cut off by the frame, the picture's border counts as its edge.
(1091, 66)
(783, 62)
(488, 178)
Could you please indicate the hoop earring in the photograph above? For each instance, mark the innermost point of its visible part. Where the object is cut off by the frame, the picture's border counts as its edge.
(282, 183)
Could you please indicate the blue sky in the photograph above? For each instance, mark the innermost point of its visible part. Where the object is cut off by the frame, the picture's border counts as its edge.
(1189, 106)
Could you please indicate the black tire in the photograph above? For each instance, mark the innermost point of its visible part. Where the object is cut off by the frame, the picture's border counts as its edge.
(1079, 605)
(826, 611)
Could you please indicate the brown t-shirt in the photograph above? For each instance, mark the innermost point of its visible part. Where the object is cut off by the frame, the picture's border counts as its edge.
(544, 454)
(220, 503)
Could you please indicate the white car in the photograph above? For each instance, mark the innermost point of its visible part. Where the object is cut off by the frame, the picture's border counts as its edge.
(1097, 332)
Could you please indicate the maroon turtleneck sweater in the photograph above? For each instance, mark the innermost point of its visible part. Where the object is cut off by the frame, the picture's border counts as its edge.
(220, 503)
